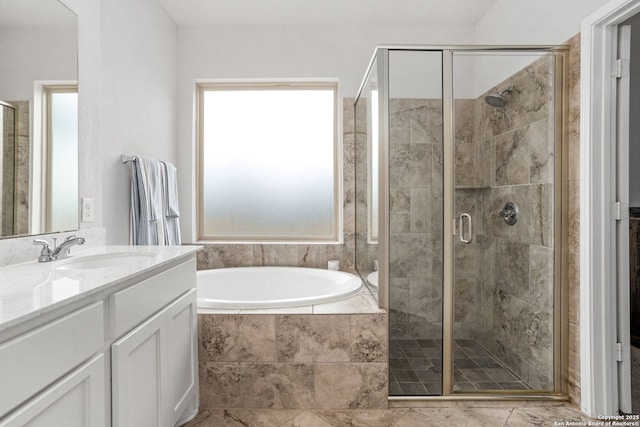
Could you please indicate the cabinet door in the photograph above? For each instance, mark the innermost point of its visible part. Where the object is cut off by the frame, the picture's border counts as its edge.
(154, 368)
(77, 400)
(137, 376)
(182, 355)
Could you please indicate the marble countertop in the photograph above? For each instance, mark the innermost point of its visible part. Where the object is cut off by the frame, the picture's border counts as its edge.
(30, 289)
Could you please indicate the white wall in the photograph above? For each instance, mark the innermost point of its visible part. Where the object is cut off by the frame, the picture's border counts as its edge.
(525, 22)
(89, 87)
(138, 99)
(279, 52)
(127, 80)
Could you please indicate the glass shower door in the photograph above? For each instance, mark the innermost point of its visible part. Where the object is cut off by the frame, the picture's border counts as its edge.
(504, 193)
(415, 221)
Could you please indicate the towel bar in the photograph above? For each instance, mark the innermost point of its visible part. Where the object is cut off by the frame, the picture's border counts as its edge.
(126, 159)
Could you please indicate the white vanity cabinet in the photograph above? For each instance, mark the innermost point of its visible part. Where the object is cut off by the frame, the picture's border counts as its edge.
(123, 356)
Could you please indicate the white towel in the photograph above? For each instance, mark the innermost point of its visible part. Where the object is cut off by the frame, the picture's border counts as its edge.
(171, 209)
(146, 203)
(139, 202)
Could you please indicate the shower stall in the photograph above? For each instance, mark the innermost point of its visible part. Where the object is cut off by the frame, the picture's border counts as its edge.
(460, 198)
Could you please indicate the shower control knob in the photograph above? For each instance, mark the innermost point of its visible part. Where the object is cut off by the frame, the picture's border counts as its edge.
(510, 213)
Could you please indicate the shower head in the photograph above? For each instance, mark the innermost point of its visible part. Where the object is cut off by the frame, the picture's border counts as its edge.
(497, 99)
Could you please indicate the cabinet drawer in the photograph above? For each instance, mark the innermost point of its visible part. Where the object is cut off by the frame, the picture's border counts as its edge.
(34, 360)
(131, 306)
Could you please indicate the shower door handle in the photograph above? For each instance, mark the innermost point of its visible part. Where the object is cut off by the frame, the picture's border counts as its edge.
(465, 237)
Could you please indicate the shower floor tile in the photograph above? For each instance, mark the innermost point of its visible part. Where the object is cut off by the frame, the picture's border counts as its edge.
(416, 368)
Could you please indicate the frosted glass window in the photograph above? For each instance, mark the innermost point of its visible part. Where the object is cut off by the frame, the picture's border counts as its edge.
(268, 163)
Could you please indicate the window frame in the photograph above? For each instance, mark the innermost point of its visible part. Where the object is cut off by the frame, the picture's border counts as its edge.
(48, 91)
(315, 84)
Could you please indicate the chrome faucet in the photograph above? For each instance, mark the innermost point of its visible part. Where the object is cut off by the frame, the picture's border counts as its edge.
(58, 252)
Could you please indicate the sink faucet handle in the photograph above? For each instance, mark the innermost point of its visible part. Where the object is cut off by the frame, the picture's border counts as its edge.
(44, 243)
(45, 253)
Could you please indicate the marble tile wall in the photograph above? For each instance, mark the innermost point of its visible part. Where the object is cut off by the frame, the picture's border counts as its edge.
(313, 255)
(416, 209)
(573, 266)
(293, 361)
(514, 161)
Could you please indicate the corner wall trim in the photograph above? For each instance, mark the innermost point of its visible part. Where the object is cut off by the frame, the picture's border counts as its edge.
(598, 312)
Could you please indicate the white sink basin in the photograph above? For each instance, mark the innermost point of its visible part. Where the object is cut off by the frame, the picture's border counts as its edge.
(109, 260)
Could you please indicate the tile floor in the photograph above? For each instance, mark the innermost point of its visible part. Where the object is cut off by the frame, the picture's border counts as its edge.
(416, 368)
(453, 414)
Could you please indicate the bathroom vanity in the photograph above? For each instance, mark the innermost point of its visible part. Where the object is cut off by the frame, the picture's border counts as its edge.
(105, 338)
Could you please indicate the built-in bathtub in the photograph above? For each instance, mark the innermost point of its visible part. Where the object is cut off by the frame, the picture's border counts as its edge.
(273, 287)
(294, 357)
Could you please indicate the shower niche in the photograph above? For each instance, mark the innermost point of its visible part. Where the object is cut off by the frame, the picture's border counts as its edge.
(445, 139)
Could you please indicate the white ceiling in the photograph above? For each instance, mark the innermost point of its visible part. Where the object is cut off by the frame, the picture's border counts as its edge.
(326, 12)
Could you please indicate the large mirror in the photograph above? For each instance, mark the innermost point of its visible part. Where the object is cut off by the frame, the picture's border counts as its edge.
(38, 118)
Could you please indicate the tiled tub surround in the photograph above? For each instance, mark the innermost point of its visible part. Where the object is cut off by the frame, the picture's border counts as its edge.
(325, 356)
(502, 154)
(275, 360)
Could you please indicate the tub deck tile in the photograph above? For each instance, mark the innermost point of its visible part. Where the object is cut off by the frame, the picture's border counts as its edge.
(307, 309)
(362, 302)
